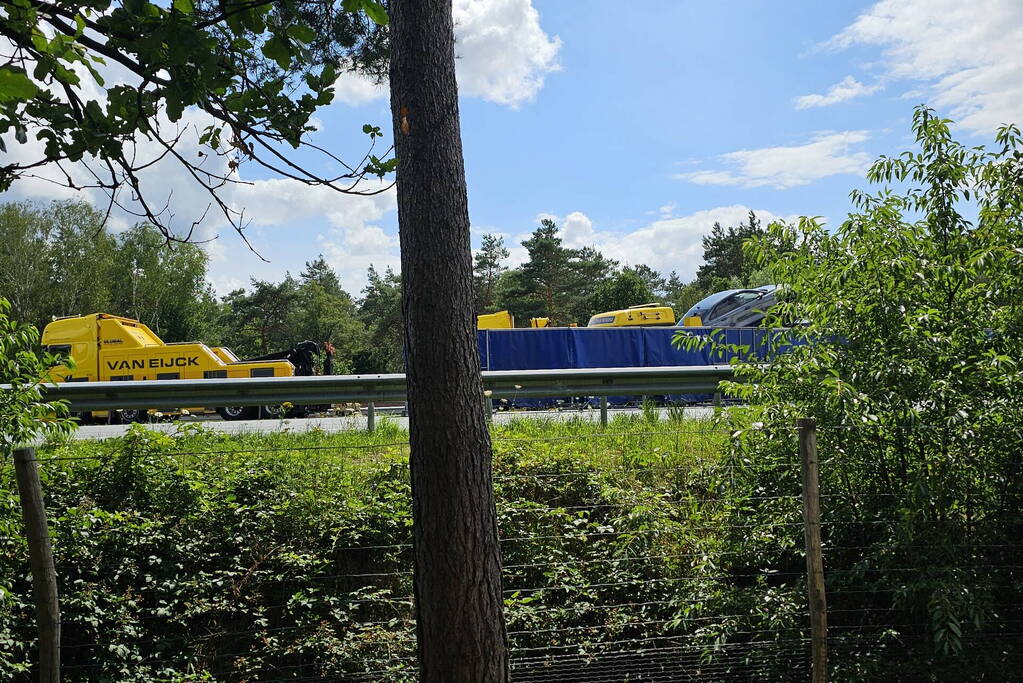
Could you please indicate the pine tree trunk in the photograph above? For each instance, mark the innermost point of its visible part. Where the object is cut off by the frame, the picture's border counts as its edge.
(460, 625)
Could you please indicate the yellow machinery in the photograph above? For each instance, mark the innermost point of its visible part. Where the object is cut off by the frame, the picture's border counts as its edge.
(503, 320)
(107, 347)
(645, 315)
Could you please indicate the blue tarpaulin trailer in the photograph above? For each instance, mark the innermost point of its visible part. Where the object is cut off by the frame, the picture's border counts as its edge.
(591, 347)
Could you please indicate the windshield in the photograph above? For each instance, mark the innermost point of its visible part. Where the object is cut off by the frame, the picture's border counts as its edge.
(734, 302)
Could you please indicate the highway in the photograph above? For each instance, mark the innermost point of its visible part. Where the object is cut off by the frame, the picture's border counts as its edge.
(350, 422)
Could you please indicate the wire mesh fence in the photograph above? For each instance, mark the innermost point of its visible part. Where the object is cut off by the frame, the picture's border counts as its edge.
(645, 551)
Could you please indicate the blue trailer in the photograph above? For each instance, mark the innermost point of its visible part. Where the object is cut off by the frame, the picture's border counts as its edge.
(608, 347)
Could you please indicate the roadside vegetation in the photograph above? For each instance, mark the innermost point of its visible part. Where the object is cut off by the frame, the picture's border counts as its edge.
(261, 557)
(906, 346)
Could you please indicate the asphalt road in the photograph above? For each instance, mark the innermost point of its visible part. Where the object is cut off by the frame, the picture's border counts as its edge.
(340, 424)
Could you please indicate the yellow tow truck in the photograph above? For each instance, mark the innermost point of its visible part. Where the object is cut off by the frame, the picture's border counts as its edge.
(108, 347)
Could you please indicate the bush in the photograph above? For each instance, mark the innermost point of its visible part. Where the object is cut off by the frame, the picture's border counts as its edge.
(909, 357)
(24, 415)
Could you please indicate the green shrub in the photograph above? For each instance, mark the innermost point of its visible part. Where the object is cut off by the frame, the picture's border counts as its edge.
(909, 350)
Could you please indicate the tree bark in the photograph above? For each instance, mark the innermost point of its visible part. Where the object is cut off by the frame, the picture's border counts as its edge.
(460, 624)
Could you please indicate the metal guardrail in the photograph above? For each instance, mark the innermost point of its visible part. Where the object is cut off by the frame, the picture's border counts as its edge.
(371, 389)
(381, 388)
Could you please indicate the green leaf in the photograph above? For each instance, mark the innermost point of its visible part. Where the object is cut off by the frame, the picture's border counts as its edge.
(328, 75)
(184, 6)
(15, 85)
(375, 11)
(302, 33)
(277, 49)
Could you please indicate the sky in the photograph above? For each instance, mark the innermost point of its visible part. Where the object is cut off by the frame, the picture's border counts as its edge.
(636, 126)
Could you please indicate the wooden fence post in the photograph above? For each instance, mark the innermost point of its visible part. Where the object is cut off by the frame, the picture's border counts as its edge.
(371, 416)
(40, 553)
(814, 555)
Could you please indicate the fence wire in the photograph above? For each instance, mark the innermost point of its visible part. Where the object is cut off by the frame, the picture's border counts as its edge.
(638, 554)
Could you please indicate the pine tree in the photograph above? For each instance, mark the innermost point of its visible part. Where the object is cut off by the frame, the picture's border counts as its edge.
(487, 269)
(722, 253)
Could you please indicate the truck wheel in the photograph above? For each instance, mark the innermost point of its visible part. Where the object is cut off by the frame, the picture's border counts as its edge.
(272, 413)
(237, 412)
(128, 415)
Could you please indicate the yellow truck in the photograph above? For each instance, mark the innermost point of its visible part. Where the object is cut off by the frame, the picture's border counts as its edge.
(646, 315)
(108, 347)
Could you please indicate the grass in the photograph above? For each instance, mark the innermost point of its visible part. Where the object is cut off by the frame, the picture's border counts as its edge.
(175, 550)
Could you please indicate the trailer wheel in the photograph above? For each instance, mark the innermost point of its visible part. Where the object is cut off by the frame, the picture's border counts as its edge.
(129, 415)
(273, 412)
(237, 412)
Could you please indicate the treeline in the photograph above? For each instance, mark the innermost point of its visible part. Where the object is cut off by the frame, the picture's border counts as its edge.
(60, 259)
(570, 285)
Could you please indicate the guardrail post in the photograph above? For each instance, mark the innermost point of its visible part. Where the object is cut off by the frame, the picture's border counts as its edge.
(814, 555)
(40, 553)
(603, 410)
(371, 416)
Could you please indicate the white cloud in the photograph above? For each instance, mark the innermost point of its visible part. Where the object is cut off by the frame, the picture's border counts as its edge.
(678, 240)
(224, 285)
(503, 52)
(784, 167)
(967, 54)
(353, 241)
(282, 202)
(503, 55)
(356, 89)
(351, 251)
(576, 229)
(846, 89)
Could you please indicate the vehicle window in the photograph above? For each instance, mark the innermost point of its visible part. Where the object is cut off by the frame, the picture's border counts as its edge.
(733, 302)
(61, 350)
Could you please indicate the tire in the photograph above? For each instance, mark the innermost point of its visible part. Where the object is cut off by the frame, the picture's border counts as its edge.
(238, 412)
(129, 415)
(272, 413)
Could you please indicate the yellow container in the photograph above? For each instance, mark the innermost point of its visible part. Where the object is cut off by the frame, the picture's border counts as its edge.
(502, 320)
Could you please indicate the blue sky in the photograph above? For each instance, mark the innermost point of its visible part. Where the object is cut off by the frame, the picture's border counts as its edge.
(638, 125)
